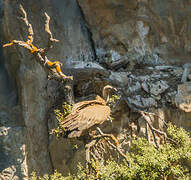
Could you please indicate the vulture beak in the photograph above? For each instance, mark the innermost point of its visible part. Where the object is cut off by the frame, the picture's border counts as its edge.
(108, 91)
(114, 91)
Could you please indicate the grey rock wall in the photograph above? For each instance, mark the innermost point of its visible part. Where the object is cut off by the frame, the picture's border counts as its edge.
(139, 46)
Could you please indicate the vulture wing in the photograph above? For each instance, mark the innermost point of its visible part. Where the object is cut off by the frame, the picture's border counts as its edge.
(83, 104)
(85, 115)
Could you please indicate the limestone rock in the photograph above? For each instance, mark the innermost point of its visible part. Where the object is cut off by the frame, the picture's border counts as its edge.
(119, 78)
(143, 27)
(141, 103)
(31, 85)
(66, 154)
(155, 88)
(183, 97)
(13, 149)
(134, 86)
(105, 41)
(84, 70)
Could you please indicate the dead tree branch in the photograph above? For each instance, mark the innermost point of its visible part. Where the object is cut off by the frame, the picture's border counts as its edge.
(105, 136)
(88, 162)
(52, 68)
(111, 136)
(87, 147)
(39, 52)
(51, 40)
(25, 19)
(150, 113)
(92, 143)
(147, 118)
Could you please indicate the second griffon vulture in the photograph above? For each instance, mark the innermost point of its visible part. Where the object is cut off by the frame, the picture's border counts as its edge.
(86, 114)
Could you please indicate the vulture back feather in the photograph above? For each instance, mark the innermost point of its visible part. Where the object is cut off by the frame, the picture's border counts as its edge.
(87, 114)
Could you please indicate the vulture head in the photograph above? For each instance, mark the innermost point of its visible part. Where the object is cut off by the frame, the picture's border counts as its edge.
(86, 114)
(107, 92)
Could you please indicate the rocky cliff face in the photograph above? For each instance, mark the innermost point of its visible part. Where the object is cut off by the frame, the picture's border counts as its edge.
(139, 46)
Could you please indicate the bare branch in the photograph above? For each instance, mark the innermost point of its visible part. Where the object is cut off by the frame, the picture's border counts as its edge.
(111, 136)
(146, 118)
(53, 68)
(51, 40)
(30, 29)
(53, 71)
(150, 113)
(92, 144)
(88, 146)
(20, 43)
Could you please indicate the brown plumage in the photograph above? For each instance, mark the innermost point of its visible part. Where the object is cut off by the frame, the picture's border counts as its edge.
(86, 114)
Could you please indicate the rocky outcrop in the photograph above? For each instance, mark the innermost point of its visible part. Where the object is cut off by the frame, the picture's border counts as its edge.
(138, 46)
(150, 31)
(13, 153)
(34, 93)
(183, 97)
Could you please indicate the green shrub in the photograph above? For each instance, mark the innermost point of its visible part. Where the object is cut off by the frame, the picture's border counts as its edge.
(55, 176)
(145, 162)
(60, 131)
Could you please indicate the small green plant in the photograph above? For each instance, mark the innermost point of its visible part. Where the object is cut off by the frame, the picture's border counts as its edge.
(112, 101)
(55, 176)
(60, 131)
(75, 147)
(67, 109)
(113, 98)
(145, 162)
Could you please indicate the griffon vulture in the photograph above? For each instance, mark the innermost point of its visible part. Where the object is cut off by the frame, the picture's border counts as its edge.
(86, 114)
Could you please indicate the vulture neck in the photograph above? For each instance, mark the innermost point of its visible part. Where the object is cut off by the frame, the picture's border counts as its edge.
(105, 95)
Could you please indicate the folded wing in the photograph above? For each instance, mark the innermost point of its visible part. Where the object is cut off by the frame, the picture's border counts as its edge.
(85, 115)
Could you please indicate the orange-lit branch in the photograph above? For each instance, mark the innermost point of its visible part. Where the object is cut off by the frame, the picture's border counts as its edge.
(58, 65)
(39, 52)
(26, 44)
(29, 40)
(33, 48)
(9, 44)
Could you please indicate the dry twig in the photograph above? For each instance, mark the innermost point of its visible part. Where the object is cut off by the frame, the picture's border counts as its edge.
(147, 117)
(92, 144)
(47, 29)
(88, 162)
(25, 19)
(111, 136)
(105, 136)
(54, 68)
